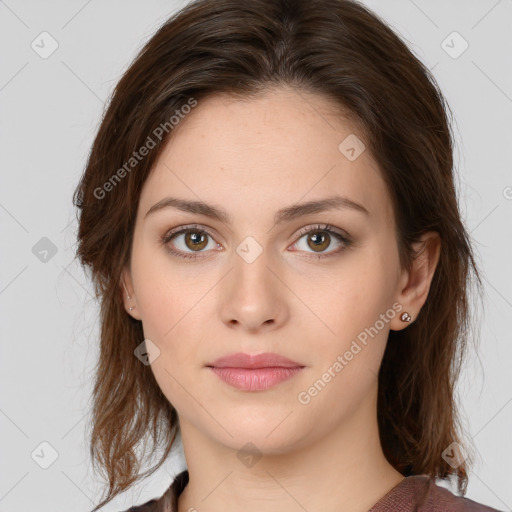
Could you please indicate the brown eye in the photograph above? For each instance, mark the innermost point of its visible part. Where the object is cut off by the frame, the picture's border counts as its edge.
(188, 243)
(196, 240)
(318, 240)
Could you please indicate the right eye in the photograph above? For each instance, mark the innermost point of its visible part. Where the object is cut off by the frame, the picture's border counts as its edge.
(188, 238)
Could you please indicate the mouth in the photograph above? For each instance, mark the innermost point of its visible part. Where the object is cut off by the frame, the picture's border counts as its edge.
(254, 361)
(258, 372)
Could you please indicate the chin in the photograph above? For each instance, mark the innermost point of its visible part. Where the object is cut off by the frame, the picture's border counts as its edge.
(270, 432)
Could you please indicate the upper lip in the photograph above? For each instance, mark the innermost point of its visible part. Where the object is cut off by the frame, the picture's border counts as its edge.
(243, 360)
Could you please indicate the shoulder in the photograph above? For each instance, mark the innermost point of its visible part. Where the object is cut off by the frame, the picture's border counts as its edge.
(168, 502)
(419, 493)
(149, 506)
(442, 499)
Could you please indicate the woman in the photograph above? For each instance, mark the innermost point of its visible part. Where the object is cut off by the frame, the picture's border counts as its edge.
(269, 214)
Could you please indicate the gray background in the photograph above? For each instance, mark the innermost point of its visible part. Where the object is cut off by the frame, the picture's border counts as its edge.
(50, 110)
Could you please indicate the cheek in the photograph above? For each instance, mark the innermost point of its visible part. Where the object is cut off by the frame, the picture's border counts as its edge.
(174, 317)
(165, 293)
(175, 304)
(352, 306)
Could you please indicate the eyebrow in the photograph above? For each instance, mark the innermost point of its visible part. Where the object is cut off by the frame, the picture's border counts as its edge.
(286, 214)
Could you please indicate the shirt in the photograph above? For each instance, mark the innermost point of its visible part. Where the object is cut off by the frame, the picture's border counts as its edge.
(417, 493)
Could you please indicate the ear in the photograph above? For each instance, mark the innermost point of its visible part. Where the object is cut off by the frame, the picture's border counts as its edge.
(414, 285)
(128, 294)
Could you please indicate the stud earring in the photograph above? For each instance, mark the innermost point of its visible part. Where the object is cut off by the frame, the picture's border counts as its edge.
(405, 317)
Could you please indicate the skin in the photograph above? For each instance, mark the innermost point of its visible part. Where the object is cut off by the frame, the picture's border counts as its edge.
(252, 158)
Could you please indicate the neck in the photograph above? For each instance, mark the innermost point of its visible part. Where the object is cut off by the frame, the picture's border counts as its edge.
(345, 470)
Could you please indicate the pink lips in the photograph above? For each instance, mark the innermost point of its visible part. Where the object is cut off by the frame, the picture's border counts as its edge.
(254, 372)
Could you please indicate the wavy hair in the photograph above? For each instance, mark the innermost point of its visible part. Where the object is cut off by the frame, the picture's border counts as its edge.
(337, 49)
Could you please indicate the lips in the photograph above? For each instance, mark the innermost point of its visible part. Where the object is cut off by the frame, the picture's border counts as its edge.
(259, 372)
(252, 361)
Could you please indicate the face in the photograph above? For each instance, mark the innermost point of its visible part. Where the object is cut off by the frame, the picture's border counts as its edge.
(309, 284)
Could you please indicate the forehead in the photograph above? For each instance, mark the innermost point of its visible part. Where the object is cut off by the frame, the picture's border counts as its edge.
(281, 147)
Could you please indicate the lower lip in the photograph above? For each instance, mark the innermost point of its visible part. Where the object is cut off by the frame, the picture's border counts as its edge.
(256, 379)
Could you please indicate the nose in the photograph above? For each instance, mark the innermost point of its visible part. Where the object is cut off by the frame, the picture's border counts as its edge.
(254, 297)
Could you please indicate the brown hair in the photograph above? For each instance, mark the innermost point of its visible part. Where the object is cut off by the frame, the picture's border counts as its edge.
(342, 51)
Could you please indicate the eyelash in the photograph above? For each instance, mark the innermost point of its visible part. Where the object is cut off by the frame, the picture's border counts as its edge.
(323, 228)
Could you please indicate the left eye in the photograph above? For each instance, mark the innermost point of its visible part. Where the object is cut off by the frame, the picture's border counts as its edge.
(195, 239)
(320, 237)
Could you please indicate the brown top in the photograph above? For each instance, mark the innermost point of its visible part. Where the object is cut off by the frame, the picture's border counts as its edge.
(416, 493)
